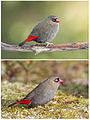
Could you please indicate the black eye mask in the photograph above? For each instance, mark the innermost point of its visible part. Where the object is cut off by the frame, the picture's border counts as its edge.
(54, 19)
(56, 80)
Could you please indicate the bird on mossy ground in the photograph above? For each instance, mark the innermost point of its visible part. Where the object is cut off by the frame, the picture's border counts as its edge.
(42, 94)
(44, 31)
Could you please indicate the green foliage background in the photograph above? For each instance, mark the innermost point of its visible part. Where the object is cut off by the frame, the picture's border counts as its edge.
(19, 18)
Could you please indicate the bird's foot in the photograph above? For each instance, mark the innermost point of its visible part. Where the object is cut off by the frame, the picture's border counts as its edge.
(49, 44)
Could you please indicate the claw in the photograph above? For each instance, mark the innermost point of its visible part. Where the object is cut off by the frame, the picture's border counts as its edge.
(49, 44)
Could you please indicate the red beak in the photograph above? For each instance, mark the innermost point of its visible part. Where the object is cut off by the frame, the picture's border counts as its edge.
(57, 21)
(60, 81)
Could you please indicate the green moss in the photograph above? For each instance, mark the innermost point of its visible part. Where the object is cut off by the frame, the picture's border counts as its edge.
(63, 106)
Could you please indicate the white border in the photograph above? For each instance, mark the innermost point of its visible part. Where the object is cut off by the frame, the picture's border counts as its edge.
(0, 61)
(44, 59)
(45, 0)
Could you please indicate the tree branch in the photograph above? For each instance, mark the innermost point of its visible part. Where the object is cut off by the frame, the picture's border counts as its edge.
(44, 48)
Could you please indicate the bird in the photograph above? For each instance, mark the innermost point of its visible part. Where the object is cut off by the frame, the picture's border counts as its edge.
(44, 31)
(42, 94)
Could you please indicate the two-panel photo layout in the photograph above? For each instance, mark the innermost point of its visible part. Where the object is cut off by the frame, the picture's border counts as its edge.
(44, 60)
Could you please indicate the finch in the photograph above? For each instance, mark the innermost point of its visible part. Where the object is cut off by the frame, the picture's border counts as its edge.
(44, 31)
(42, 94)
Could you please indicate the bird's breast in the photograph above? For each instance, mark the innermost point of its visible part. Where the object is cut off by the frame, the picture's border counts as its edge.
(43, 98)
(49, 34)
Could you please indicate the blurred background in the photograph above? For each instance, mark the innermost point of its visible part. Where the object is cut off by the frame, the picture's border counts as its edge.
(31, 73)
(18, 19)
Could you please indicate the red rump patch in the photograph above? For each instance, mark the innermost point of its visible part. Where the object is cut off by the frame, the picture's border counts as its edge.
(30, 38)
(24, 102)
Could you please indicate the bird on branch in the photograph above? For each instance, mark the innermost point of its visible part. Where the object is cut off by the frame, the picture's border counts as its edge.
(44, 31)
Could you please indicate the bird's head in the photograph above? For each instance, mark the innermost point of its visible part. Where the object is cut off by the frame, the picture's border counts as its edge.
(55, 80)
(58, 80)
(53, 19)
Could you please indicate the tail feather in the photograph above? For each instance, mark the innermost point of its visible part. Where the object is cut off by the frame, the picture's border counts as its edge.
(29, 38)
(12, 104)
(22, 43)
(21, 102)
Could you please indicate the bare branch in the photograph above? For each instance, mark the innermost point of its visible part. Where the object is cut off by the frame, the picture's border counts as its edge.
(44, 48)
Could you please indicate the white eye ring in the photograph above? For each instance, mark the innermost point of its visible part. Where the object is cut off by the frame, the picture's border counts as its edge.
(56, 80)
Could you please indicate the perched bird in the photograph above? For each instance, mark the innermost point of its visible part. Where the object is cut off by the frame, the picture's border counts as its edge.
(42, 94)
(44, 31)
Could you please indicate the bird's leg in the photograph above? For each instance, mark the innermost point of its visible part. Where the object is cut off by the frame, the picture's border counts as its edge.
(49, 44)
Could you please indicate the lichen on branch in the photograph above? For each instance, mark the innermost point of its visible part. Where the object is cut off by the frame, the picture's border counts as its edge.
(38, 48)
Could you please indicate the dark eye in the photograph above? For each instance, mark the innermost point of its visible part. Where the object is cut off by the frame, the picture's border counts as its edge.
(54, 19)
(56, 80)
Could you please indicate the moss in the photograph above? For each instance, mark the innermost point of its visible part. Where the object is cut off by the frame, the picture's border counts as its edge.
(63, 106)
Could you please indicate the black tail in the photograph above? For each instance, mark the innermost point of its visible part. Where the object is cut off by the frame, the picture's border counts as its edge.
(22, 43)
(12, 104)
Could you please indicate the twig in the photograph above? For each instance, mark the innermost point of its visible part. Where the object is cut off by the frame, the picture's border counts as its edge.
(44, 48)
